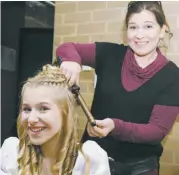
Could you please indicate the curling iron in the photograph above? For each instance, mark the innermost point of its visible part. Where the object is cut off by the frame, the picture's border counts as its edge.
(76, 91)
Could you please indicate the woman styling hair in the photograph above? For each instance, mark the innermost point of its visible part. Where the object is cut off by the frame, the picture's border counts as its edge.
(136, 99)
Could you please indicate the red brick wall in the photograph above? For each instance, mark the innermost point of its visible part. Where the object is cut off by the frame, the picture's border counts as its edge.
(102, 21)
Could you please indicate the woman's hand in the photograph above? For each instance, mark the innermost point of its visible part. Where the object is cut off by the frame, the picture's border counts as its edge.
(72, 71)
(103, 128)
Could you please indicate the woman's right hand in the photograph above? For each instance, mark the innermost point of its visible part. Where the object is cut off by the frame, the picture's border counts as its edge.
(72, 71)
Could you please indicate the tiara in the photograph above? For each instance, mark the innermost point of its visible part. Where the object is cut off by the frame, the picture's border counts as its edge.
(52, 71)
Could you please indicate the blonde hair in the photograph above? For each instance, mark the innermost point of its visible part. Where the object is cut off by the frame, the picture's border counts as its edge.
(30, 157)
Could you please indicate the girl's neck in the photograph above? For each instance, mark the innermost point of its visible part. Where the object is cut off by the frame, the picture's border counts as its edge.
(47, 166)
(50, 148)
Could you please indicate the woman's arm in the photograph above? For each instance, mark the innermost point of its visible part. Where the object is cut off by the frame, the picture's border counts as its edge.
(161, 122)
(84, 54)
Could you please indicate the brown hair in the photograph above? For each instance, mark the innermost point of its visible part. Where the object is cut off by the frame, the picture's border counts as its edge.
(153, 6)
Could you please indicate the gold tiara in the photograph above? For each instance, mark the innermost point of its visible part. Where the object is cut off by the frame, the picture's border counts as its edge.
(52, 72)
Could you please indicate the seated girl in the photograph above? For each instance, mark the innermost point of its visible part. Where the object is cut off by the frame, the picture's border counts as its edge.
(47, 142)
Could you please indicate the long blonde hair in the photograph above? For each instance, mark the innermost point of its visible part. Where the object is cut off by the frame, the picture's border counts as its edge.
(30, 157)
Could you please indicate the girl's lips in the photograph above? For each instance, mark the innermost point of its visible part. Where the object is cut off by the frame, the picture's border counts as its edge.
(36, 130)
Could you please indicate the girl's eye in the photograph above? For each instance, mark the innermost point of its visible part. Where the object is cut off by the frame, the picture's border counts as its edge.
(26, 109)
(43, 109)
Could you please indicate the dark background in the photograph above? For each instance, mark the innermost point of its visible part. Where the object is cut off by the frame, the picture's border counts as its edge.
(26, 45)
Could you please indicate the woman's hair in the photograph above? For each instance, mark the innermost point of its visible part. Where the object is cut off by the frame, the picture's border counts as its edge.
(30, 156)
(153, 6)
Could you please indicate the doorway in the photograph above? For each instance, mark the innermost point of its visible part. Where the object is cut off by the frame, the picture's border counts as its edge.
(36, 48)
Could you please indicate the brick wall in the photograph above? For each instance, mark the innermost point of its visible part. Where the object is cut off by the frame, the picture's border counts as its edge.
(102, 21)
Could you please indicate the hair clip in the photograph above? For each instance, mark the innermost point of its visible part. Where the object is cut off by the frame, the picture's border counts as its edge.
(131, 3)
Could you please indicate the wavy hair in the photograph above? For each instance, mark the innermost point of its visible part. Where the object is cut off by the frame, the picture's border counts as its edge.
(30, 156)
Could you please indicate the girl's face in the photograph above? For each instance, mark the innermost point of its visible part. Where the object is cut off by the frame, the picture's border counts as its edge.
(144, 33)
(41, 117)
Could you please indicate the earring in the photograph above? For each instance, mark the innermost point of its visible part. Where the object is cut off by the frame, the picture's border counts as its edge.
(160, 42)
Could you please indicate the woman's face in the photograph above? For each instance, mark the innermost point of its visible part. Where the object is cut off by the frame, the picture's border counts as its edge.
(40, 115)
(144, 33)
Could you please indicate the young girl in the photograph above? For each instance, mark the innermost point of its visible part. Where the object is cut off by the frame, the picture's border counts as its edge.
(47, 131)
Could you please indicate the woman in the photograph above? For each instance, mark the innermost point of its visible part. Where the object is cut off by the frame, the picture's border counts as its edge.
(47, 131)
(136, 100)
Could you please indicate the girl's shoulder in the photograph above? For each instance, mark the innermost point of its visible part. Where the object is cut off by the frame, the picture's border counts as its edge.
(9, 155)
(99, 162)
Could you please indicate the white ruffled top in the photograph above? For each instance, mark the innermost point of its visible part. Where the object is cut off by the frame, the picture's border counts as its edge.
(98, 158)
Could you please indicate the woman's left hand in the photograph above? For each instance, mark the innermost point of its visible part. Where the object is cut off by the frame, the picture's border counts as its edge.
(103, 128)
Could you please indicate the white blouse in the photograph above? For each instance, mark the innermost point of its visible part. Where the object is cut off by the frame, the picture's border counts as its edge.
(98, 158)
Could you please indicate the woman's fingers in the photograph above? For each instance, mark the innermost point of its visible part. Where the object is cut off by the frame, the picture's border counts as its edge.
(91, 131)
(72, 71)
(94, 131)
(73, 78)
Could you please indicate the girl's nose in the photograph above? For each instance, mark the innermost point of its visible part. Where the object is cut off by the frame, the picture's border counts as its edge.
(33, 118)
